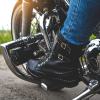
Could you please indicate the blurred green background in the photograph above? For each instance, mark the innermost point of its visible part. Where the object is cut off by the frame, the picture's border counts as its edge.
(5, 36)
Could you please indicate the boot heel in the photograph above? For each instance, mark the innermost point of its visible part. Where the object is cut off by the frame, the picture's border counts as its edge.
(52, 85)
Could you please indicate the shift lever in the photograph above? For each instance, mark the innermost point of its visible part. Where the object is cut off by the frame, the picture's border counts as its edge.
(92, 86)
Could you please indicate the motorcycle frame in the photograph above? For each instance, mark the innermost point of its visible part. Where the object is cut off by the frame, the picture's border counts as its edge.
(92, 84)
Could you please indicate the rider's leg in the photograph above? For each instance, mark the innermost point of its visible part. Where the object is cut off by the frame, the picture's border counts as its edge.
(83, 15)
(26, 16)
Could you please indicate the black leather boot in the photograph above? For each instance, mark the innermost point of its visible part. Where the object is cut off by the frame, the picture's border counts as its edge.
(62, 63)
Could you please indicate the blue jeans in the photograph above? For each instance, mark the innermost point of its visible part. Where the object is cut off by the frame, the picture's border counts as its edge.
(82, 17)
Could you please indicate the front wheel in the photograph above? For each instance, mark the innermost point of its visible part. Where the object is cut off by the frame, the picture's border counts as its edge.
(21, 19)
(16, 30)
(16, 20)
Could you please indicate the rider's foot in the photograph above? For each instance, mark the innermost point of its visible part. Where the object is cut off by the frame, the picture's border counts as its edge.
(62, 62)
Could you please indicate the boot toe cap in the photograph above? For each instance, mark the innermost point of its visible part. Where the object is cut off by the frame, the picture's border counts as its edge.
(33, 69)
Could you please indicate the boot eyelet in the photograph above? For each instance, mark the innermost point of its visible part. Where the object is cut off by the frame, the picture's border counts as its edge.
(60, 57)
(63, 45)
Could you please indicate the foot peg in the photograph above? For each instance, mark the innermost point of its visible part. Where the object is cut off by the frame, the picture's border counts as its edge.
(20, 50)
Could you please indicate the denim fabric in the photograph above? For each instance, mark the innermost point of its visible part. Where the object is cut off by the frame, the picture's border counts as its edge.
(82, 17)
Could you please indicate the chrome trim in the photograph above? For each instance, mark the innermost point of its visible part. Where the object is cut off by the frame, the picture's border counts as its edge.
(92, 86)
(67, 2)
(44, 86)
(40, 19)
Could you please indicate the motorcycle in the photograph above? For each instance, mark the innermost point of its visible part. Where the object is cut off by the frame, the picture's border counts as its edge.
(33, 37)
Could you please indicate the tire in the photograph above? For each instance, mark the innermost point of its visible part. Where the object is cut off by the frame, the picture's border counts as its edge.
(16, 20)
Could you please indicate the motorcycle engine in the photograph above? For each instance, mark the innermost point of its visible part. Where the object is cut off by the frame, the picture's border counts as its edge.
(41, 4)
(50, 4)
(93, 58)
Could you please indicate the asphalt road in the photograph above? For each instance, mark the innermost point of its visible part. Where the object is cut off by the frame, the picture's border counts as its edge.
(13, 88)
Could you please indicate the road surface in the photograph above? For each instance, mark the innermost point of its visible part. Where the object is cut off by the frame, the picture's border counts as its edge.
(13, 88)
